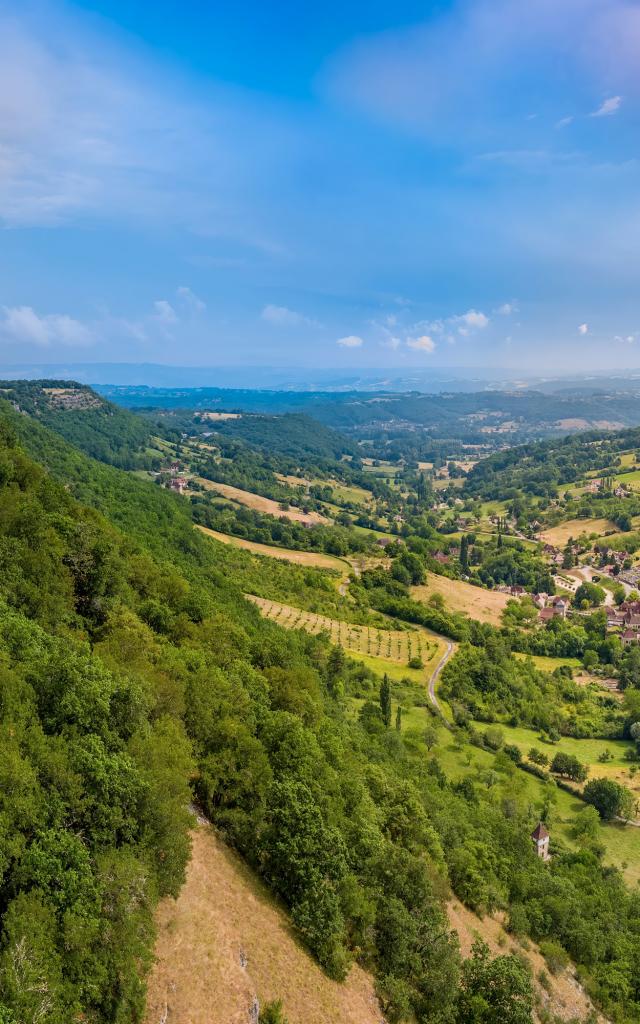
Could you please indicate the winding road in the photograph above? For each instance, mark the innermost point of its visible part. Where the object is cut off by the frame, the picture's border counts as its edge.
(434, 679)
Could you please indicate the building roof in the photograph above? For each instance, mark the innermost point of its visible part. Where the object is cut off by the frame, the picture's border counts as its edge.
(539, 832)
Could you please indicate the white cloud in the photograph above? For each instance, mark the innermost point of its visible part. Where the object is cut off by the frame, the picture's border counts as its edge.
(627, 339)
(610, 106)
(583, 329)
(392, 342)
(474, 320)
(195, 304)
(564, 122)
(507, 308)
(424, 343)
(281, 316)
(22, 324)
(351, 341)
(164, 313)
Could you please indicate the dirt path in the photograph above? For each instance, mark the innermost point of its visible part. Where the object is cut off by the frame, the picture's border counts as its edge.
(434, 679)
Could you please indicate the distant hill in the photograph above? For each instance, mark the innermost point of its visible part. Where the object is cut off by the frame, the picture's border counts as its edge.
(98, 427)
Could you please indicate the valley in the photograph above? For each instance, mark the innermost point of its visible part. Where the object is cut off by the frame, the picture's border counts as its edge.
(397, 666)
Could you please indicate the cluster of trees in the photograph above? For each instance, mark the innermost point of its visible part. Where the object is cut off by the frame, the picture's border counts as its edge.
(245, 522)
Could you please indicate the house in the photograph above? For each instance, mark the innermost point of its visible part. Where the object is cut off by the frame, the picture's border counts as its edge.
(560, 606)
(546, 614)
(175, 467)
(441, 558)
(517, 591)
(540, 600)
(178, 483)
(540, 838)
(630, 636)
(384, 542)
(593, 486)
(620, 492)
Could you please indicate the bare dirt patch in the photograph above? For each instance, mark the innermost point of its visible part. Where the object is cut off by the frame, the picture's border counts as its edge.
(224, 918)
(261, 504)
(477, 603)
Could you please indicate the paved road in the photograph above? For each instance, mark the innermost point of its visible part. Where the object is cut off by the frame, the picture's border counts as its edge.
(434, 679)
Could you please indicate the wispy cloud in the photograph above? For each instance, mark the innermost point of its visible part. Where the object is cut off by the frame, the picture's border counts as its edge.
(23, 325)
(608, 107)
(190, 299)
(583, 329)
(350, 341)
(282, 316)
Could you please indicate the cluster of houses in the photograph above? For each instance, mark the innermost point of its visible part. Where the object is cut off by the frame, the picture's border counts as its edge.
(176, 482)
(598, 484)
(626, 617)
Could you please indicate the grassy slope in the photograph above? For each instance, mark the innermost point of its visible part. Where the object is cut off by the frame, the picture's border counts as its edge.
(223, 910)
(477, 603)
(315, 558)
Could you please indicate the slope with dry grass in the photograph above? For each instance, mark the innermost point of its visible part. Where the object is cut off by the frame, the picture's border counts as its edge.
(225, 944)
(476, 602)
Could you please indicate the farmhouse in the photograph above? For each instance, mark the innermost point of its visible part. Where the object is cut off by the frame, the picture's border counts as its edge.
(540, 838)
(630, 636)
(178, 484)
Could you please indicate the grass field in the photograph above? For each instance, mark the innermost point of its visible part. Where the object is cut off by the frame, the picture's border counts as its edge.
(484, 605)
(560, 534)
(631, 479)
(546, 664)
(387, 645)
(261, 504)
(316, 559)
(223, 911)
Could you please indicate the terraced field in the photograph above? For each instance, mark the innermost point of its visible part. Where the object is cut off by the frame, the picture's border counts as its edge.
(394, 645)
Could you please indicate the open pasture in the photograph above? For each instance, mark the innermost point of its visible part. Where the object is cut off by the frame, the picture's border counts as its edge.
(560, 534)
(315, 559)
(477, 603)
(261, 504)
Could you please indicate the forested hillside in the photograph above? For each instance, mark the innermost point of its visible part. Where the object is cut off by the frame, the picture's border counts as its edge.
(135, 675)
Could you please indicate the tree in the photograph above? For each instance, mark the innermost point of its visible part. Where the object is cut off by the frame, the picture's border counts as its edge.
(464, 553)
(569, 766)
(538, 757)
(385, 700)
(398, 719)
(495, 991)
(430, 736)
(590, 593)
(587, 825)
(610, 799)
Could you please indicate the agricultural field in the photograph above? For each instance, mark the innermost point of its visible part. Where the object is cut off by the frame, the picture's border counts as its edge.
(225, 942)
(631, 479)
(260, 504)
(391, 645)
(317, 559)
(477, 603)
(560, 534)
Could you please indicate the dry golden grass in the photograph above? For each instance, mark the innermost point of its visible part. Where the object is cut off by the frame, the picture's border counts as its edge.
(312, 558)
(483, 605)
(223, 911)
(221, 415)
(560, 534)
(393, 645)
(261, 504)
(566, 1000)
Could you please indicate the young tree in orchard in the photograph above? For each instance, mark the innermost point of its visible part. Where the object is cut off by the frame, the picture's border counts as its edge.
(385, 700)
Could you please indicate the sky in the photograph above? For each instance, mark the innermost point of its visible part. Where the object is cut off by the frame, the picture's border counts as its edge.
(353, 184)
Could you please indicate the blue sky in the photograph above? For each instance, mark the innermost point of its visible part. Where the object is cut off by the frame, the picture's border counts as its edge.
(339, 185)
